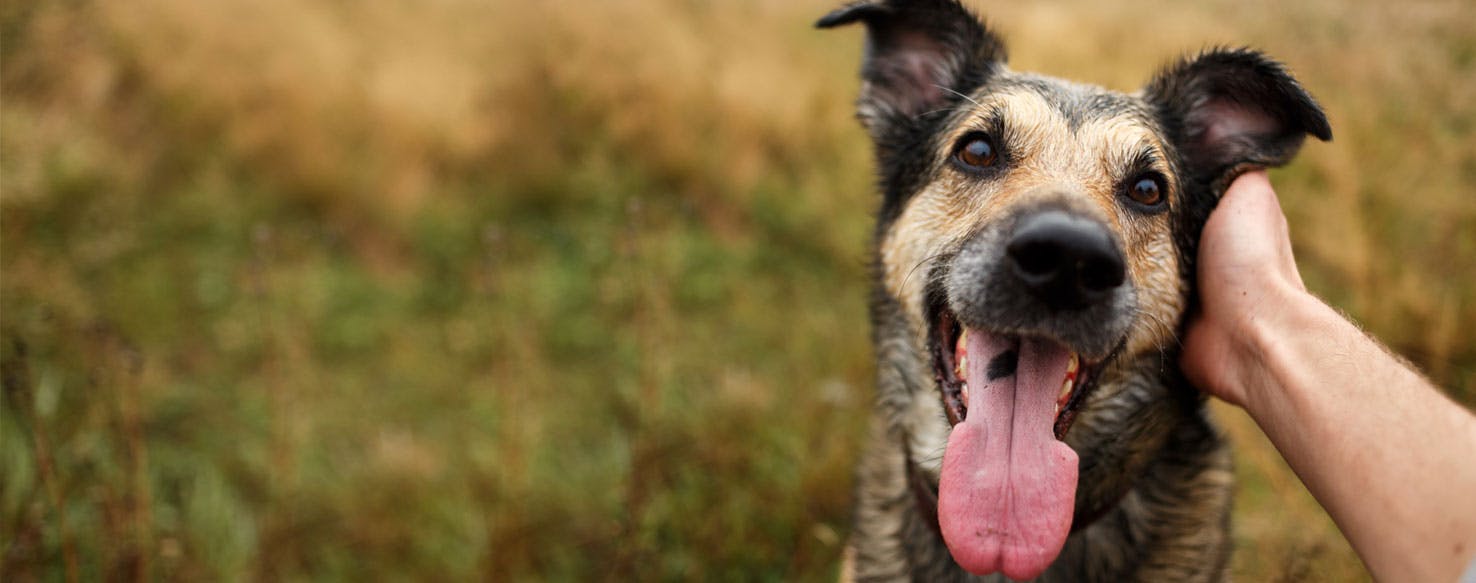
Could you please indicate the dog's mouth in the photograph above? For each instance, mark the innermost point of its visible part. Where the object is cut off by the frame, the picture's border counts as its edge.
(1007, 485)
(948, 341)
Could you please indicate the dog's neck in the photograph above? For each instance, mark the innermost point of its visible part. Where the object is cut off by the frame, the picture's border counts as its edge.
(923, 491)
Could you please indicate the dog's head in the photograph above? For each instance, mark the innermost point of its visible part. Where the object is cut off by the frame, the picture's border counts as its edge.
(1036, 237)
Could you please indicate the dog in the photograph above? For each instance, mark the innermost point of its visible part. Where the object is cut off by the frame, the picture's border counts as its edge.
(1034, 261)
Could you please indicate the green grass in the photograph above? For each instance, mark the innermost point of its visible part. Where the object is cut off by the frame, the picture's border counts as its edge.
(305, 291)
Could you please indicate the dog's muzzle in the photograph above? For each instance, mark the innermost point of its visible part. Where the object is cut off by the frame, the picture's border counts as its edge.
(1050, 271)
(1030, 312)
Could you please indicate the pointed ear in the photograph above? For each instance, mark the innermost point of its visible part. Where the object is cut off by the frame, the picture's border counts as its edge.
(920, 55)
(1230, 109)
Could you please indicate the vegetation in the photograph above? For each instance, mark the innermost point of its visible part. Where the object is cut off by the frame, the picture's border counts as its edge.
(300, 289)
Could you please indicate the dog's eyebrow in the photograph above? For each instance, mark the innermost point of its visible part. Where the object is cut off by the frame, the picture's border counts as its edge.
(995, 123)
(1144, 159)
(988, 116)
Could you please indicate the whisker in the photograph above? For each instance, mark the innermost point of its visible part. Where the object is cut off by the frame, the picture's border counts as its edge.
(933, 111)
(1164, 332)
(915, 267)
(950, 108)
(971, 100)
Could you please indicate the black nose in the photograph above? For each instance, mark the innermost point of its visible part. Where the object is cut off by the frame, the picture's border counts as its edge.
(1066, 260)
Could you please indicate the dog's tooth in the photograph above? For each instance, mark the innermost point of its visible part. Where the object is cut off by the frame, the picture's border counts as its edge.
(1065, 391)
(963, 393)
(961, 356)
(1074, 364)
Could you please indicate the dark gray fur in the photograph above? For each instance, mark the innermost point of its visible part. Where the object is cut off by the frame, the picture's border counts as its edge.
(1154, 493)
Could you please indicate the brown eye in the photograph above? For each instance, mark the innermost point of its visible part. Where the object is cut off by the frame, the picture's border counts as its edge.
(1146, 191)
(976, 152)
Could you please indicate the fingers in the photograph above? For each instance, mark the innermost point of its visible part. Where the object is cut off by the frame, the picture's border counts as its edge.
(1250, 205)
(1249, 228)
(1245, 268)
(1257, 193)
(1255, 185)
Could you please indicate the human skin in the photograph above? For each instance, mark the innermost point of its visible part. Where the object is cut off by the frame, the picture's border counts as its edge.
(1391, 458)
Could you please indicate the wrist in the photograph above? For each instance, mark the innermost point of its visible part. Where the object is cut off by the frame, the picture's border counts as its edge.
(1272, 343)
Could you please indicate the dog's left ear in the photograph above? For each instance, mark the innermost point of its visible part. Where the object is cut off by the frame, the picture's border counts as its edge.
(1228, 110)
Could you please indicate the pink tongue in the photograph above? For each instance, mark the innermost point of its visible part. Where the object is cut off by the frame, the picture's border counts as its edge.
(1008, 487)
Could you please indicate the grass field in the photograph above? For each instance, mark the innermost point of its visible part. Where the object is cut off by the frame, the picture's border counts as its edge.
(554, 290)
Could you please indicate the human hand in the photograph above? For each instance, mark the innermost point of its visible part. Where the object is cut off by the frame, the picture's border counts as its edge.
(1354, 422)
(1247, 276)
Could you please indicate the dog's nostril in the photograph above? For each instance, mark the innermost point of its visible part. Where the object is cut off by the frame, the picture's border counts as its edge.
(1035, 257)
(1066, 260)
(1101, 273)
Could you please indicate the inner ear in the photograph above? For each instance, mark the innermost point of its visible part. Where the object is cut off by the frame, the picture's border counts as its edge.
(1232, 108)
(1223, 133)
(1221, 120)
(912, 75)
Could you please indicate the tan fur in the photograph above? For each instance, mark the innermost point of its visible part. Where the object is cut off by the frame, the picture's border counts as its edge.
(1050, 158)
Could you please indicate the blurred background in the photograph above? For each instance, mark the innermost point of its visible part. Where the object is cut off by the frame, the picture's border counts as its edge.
(465, 289)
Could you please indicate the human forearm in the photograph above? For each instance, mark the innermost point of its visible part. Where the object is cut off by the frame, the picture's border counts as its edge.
(1380, 448)
(1388, 456)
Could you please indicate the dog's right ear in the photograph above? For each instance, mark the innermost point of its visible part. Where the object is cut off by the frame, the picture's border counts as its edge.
(921, 55)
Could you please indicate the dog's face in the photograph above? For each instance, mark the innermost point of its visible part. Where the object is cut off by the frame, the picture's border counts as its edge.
(1035, 242)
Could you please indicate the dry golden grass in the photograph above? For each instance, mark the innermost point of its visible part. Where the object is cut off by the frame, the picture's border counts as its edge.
(312, 289)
